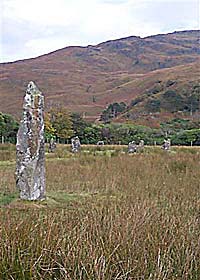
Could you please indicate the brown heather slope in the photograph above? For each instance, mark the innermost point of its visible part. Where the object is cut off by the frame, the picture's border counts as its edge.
(87, 79)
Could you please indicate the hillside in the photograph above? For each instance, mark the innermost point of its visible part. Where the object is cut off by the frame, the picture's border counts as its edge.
(161, 95)
(87, 79)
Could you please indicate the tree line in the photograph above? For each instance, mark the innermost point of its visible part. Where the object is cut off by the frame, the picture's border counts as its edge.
(8, 128)
(62, 126)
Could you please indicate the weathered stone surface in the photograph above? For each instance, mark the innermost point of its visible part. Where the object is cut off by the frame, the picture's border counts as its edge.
(166, 145)
(30, 169)
(52, 145)
(75, 144)
(140, 147)
(132, 147)
(100, 143)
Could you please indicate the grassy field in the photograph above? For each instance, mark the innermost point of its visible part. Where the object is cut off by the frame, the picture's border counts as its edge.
(108, 216)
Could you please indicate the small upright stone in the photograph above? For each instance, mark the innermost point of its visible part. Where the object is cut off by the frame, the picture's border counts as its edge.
(141, 146)
(75, 144)
(100, 143)
(132, 147)
(166, 145)
(30, 169)
(52, 145)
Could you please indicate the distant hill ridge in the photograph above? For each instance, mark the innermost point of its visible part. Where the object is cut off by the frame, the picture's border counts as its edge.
(87, 79)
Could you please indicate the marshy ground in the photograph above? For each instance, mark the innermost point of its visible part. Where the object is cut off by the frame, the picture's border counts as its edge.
(108, 215)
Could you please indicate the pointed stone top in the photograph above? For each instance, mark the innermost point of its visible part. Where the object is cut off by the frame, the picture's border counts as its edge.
(33, 98)
(32, 89)
(30, 169)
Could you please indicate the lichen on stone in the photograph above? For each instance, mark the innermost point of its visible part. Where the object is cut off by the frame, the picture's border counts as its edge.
(30, 150)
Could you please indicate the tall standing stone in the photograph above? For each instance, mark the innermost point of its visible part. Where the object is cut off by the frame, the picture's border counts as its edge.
(30, 169)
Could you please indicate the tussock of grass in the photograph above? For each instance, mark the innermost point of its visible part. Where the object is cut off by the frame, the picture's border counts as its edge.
(106, 217)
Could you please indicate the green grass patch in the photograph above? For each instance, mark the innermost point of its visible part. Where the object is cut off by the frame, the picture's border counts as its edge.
(7, 198)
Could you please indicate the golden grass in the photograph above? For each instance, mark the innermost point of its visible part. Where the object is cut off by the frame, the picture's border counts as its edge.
(107, 216)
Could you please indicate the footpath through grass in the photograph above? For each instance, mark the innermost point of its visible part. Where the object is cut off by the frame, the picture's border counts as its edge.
(108, 215)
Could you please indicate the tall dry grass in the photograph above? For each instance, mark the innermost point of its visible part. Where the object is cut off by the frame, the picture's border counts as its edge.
(107, 216)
